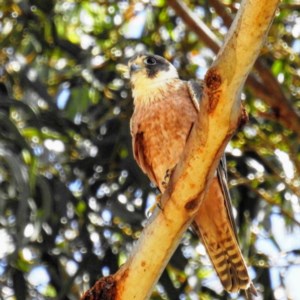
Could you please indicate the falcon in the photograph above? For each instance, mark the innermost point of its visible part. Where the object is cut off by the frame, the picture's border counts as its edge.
(165, 109)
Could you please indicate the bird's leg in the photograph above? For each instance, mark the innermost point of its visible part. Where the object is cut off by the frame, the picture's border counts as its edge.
(157, 203)
(167, 177)
(164, 184)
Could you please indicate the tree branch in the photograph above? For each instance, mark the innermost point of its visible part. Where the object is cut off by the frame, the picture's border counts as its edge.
(218, 118)
(199, 27)
(268, 89)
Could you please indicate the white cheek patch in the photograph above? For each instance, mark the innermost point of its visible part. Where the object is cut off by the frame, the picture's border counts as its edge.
(149, 88)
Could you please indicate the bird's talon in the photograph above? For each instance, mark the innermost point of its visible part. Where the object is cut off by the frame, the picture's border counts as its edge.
(158, 201)
(156, 204)
(167, 177)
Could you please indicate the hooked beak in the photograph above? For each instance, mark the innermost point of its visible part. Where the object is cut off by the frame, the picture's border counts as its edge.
(134, 68)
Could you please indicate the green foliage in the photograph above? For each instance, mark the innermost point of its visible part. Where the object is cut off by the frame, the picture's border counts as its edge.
(72, 199)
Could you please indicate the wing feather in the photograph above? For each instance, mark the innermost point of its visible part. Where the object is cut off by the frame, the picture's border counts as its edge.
(222, 177)
(138, 145)
(195, 88)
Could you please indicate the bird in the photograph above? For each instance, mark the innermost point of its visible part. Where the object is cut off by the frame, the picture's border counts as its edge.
(165, 109)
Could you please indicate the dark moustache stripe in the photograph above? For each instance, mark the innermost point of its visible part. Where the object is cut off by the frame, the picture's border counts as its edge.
(153, 70)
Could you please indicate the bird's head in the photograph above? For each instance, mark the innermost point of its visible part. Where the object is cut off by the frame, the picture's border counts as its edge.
(149, 73)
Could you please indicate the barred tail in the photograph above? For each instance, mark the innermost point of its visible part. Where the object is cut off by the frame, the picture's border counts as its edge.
(215, 227)
(227, 260)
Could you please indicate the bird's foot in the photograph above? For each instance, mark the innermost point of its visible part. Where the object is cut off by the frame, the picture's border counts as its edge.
(167, 177)
(157, 203)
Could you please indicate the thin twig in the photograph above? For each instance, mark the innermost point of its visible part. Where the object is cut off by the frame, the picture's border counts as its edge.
(265, 196)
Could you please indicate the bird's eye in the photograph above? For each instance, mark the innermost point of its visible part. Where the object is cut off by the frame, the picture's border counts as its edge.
(150, 61)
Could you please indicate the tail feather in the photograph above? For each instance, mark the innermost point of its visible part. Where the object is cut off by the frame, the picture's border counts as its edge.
(215, 228)
(227, 260)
